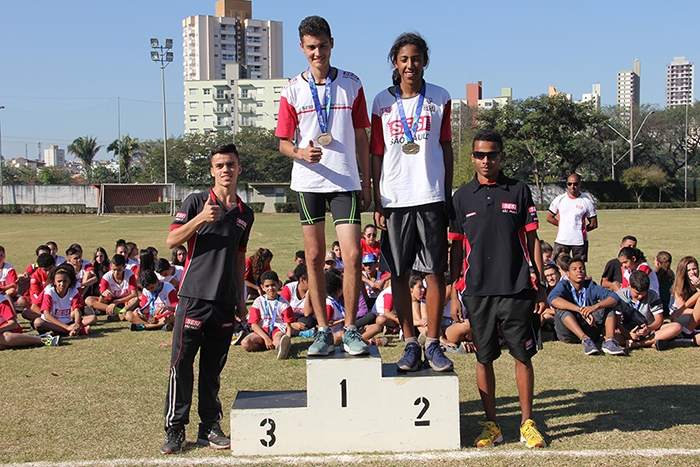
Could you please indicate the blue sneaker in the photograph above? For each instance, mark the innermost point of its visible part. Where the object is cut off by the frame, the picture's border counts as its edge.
(436, 358)
(307, 333)
(411, 360)
(353, 343)
(137, 327)
(322, 344)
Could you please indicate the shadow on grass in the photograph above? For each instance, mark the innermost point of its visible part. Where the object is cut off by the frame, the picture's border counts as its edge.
(564, 413)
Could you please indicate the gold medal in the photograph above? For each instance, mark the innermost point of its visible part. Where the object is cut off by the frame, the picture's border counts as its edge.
(410, 148)
(325, 139)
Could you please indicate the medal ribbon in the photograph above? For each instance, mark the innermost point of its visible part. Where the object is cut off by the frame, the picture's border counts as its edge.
(271, 312)
(579, 298)
(338, 306)
(410, 132)
(322, 112)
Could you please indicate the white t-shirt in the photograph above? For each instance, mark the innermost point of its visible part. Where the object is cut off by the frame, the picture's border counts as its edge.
(337, 170)
(289, 293)
(411, 180)
(8, 275)
(60, 307)
(573, 213)
(385, 301)
(118, 290)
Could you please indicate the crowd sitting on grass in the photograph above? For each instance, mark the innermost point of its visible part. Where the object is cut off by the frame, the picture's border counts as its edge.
(634, 305)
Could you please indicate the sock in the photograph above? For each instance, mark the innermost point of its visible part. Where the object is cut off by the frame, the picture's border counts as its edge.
(411, 339)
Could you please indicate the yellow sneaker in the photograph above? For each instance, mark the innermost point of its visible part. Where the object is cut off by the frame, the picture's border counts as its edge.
(530, 435)
(491, 436)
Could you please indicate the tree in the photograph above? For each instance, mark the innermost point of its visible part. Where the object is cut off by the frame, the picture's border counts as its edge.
(85, 148)
(260, 156)
(54, 176)
(103, 174)
(638, 179)
(127, 150)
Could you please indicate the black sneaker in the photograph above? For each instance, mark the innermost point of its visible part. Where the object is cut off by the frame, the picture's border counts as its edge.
(174, 440)
(213, 437)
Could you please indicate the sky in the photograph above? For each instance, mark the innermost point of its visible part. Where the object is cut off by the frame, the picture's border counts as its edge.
(71, 68)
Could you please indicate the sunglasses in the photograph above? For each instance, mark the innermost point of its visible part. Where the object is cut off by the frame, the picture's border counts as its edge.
(491, 155)
(572, 183)
(370, 235)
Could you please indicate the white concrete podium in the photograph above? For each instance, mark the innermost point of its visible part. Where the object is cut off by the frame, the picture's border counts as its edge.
(352, 404)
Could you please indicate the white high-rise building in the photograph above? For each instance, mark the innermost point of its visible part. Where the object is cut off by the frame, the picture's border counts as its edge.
(593, 96)
(209, 43)
(628, 86)
(54, 156)
(680, 76)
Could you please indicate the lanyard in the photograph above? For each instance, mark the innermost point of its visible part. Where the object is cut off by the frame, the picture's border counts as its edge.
(322, 112)
(337, 305)
(150, 306)
(271, 312)
(410, 132)
(580, 299)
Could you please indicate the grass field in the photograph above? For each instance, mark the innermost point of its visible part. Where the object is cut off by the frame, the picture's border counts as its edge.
(101, 397)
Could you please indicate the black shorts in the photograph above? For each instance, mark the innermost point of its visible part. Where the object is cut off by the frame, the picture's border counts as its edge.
(416, 238)
(513, 314)
(575, 251)
(345, 207)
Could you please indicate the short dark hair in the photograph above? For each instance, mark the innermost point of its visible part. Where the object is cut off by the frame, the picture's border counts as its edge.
(224, 148)
(314, 26)
(489, 135)
(2, 249)
(66, 269)
(300, 272)
(45, 260)
(546, 247)
(76, 246)
(334, 282)
(147, 277)
(269, 276)
(73, 251)
(52, 244)
(549, 266)
(629, 237)
(413, 280)
(576, 259)
(300, 254)
(639, 281)
(162, 265)
(563, 261)
(41, 248)
(368, 226)
(118, 260)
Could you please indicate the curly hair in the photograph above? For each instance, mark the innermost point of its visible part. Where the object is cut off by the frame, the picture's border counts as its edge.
(258, 261)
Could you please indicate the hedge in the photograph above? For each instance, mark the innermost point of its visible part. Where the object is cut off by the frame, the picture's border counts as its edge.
(156, 207)
(644, 205)
(46, 209)
(256, 207)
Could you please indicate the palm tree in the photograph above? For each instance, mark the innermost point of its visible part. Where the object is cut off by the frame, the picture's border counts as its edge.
(85, 148)
(127, 148)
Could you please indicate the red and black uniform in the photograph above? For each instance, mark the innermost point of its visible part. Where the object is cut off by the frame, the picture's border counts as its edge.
(491, 221)
(204, 315)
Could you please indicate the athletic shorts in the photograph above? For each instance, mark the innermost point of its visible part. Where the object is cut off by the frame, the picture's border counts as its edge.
(345, 207)
(564, 334)
(513, 314)
(416, 238)
(575, 251)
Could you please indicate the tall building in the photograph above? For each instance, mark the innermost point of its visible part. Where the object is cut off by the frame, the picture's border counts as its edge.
(54, 156)
(209, 43)
(593, 96)
(628, 86)
(473, 94)
(680, 76)
(228, 104)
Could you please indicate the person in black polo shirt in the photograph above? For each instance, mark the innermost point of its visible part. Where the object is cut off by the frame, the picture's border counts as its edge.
(216, 226)
(493, 234)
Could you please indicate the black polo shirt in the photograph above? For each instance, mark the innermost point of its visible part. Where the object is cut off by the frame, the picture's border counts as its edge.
(210, 268)
(491, 221)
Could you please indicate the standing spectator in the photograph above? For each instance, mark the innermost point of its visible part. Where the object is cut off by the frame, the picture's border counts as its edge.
(573, 209)
(322, 126)
(496, 223)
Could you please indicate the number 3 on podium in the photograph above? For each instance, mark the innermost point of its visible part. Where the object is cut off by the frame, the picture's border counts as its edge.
(268, 443)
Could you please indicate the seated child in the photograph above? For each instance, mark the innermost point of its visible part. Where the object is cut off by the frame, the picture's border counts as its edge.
(158, 302)
(584, 310)
(552, 278)
(386, 315)
(37, 284)
(335, 311)
(117, 291)
(11, 332)
(633, 259)
(373, 280)
(85, 275)
(166, 272)
(270, 318)
(295, 294)
(641, 316)
(62, 304)
(458, 336)
(662, 262)
(58, 259)
(299, 259)
(8, 276)
(547, 252)
(335, 247)
(418, 306)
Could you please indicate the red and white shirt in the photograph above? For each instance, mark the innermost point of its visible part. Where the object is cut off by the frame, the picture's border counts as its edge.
(8, 275)
(271, 313)
(385, 301)
(417, 179)
(648, 270)
(119, 290)
(337, 169)
(289, 293)
(573, 213)
(37, 284)
(166, 297)
(80, 275)
(7, 314)
(60, 307)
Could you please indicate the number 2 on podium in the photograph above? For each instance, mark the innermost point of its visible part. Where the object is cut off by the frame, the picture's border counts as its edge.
(419, 419)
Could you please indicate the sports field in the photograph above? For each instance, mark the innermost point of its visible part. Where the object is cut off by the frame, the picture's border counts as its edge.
(100, 398)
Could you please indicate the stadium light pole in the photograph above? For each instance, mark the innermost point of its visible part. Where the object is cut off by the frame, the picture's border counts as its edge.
(2, 197)
(162, 55)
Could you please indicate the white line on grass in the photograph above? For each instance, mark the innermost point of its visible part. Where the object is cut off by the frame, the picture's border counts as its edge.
(360, 458)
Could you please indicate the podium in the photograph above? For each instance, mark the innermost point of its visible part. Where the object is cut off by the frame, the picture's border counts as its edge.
(352, 404)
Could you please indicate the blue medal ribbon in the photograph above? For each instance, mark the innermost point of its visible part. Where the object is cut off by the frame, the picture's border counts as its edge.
(410, 132)
(579, 298)
(338, 306)
(150, 306)
(272, 313)
(323, 112)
